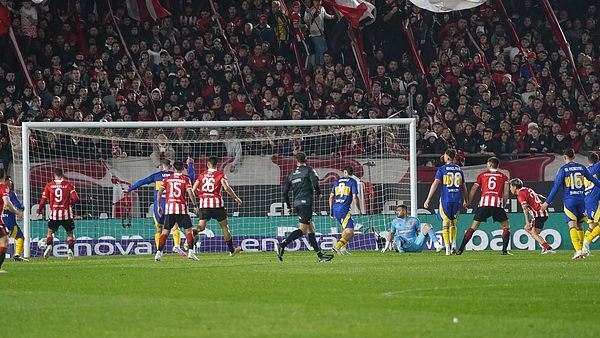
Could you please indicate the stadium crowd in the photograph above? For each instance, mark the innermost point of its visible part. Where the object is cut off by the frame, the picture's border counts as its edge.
(477, 95)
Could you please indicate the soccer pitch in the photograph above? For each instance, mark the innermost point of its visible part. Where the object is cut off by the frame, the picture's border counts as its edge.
(366, 294)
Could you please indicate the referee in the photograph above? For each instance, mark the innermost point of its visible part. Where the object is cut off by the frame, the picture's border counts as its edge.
(303, 180)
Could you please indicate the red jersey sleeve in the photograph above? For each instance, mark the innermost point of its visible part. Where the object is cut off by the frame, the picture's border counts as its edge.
(522, 197)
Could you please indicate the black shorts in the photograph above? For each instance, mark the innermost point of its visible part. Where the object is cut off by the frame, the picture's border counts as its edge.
(183, 220)
(483, 213)
(539, 222)
(67, 224)
(304, 213)
(219, 214)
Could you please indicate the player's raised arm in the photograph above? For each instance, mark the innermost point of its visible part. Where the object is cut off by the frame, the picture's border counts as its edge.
(191, 170)
(144, 181)
(230, 191)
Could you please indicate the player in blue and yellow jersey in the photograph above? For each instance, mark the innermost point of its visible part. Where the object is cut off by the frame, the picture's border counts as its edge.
(157, 179)
(592, 205)
(453, 194)
(571, 178)
(10, 221)
(406, 233)
(343, 193)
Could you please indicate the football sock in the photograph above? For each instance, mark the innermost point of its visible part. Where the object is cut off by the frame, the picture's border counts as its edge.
(577, 245)
(292, 237)
(588, 232)
(446, 235)
(194, 232)
(580, 236)
(2, 254)
(157, 238)
(341, 243)
(546, 246)
(71, 244)
(453, 234)
(230, 245)
(505, 238)
(49, 240)
(176, 237)
(19, 246)
(190, 240)
(162, 241)
(312, 239)
(466, 239)
(431, 233)
(595, 232)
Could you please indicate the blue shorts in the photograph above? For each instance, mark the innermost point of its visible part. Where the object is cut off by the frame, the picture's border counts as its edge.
(344, 218)
(592, 210)
(14, 231)
(159, 220)
(413, 245)
(575, 212)
(449, 212)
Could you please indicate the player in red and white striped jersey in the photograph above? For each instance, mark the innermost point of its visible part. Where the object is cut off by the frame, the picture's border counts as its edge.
(494, 194)
(531, 203)
(5, 203)
(210, 203)
(175, 187)
(62, 196)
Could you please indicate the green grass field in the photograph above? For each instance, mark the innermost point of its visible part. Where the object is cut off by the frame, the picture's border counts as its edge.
(366, 294)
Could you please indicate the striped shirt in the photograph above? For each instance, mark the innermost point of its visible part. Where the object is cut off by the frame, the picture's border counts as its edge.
(492, 188)
(530, 199)
(62, 197)
(176, 186)
(209, 192)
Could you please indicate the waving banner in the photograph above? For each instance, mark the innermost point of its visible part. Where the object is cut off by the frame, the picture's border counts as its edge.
(441, 6)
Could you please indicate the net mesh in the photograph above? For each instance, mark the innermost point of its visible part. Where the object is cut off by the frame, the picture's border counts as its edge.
(102, 162)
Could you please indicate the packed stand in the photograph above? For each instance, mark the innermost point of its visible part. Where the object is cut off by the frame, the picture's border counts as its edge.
(477, 95)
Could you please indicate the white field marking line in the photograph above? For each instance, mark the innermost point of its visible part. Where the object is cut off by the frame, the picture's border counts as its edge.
(392, 293)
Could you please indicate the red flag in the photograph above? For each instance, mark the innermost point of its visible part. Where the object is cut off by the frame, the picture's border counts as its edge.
(146, 10)
(353, 10)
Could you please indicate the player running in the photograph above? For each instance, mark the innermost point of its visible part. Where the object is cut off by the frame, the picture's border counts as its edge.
(303, 180)
(159, 201)
(571, 177)
(343, 193)
(452, 194)
(10, 221)
(210, 202)
(592, 205)
(175, 210)
(406, 234)
(531, 204)
(5, 204)
(494, 194)
(62, 196)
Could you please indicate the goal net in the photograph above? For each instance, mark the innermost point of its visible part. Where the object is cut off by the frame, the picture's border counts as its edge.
(102, 159)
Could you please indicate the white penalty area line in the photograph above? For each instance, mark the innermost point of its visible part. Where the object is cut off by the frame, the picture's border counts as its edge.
(393, 293)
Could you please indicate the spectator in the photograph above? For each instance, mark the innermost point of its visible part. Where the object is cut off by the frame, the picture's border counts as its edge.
(234, 149)
(590, 144)
(535, 143)
(161, 150)
(315, 17)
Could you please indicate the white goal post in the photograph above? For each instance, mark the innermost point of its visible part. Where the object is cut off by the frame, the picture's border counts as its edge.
(390, 174)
